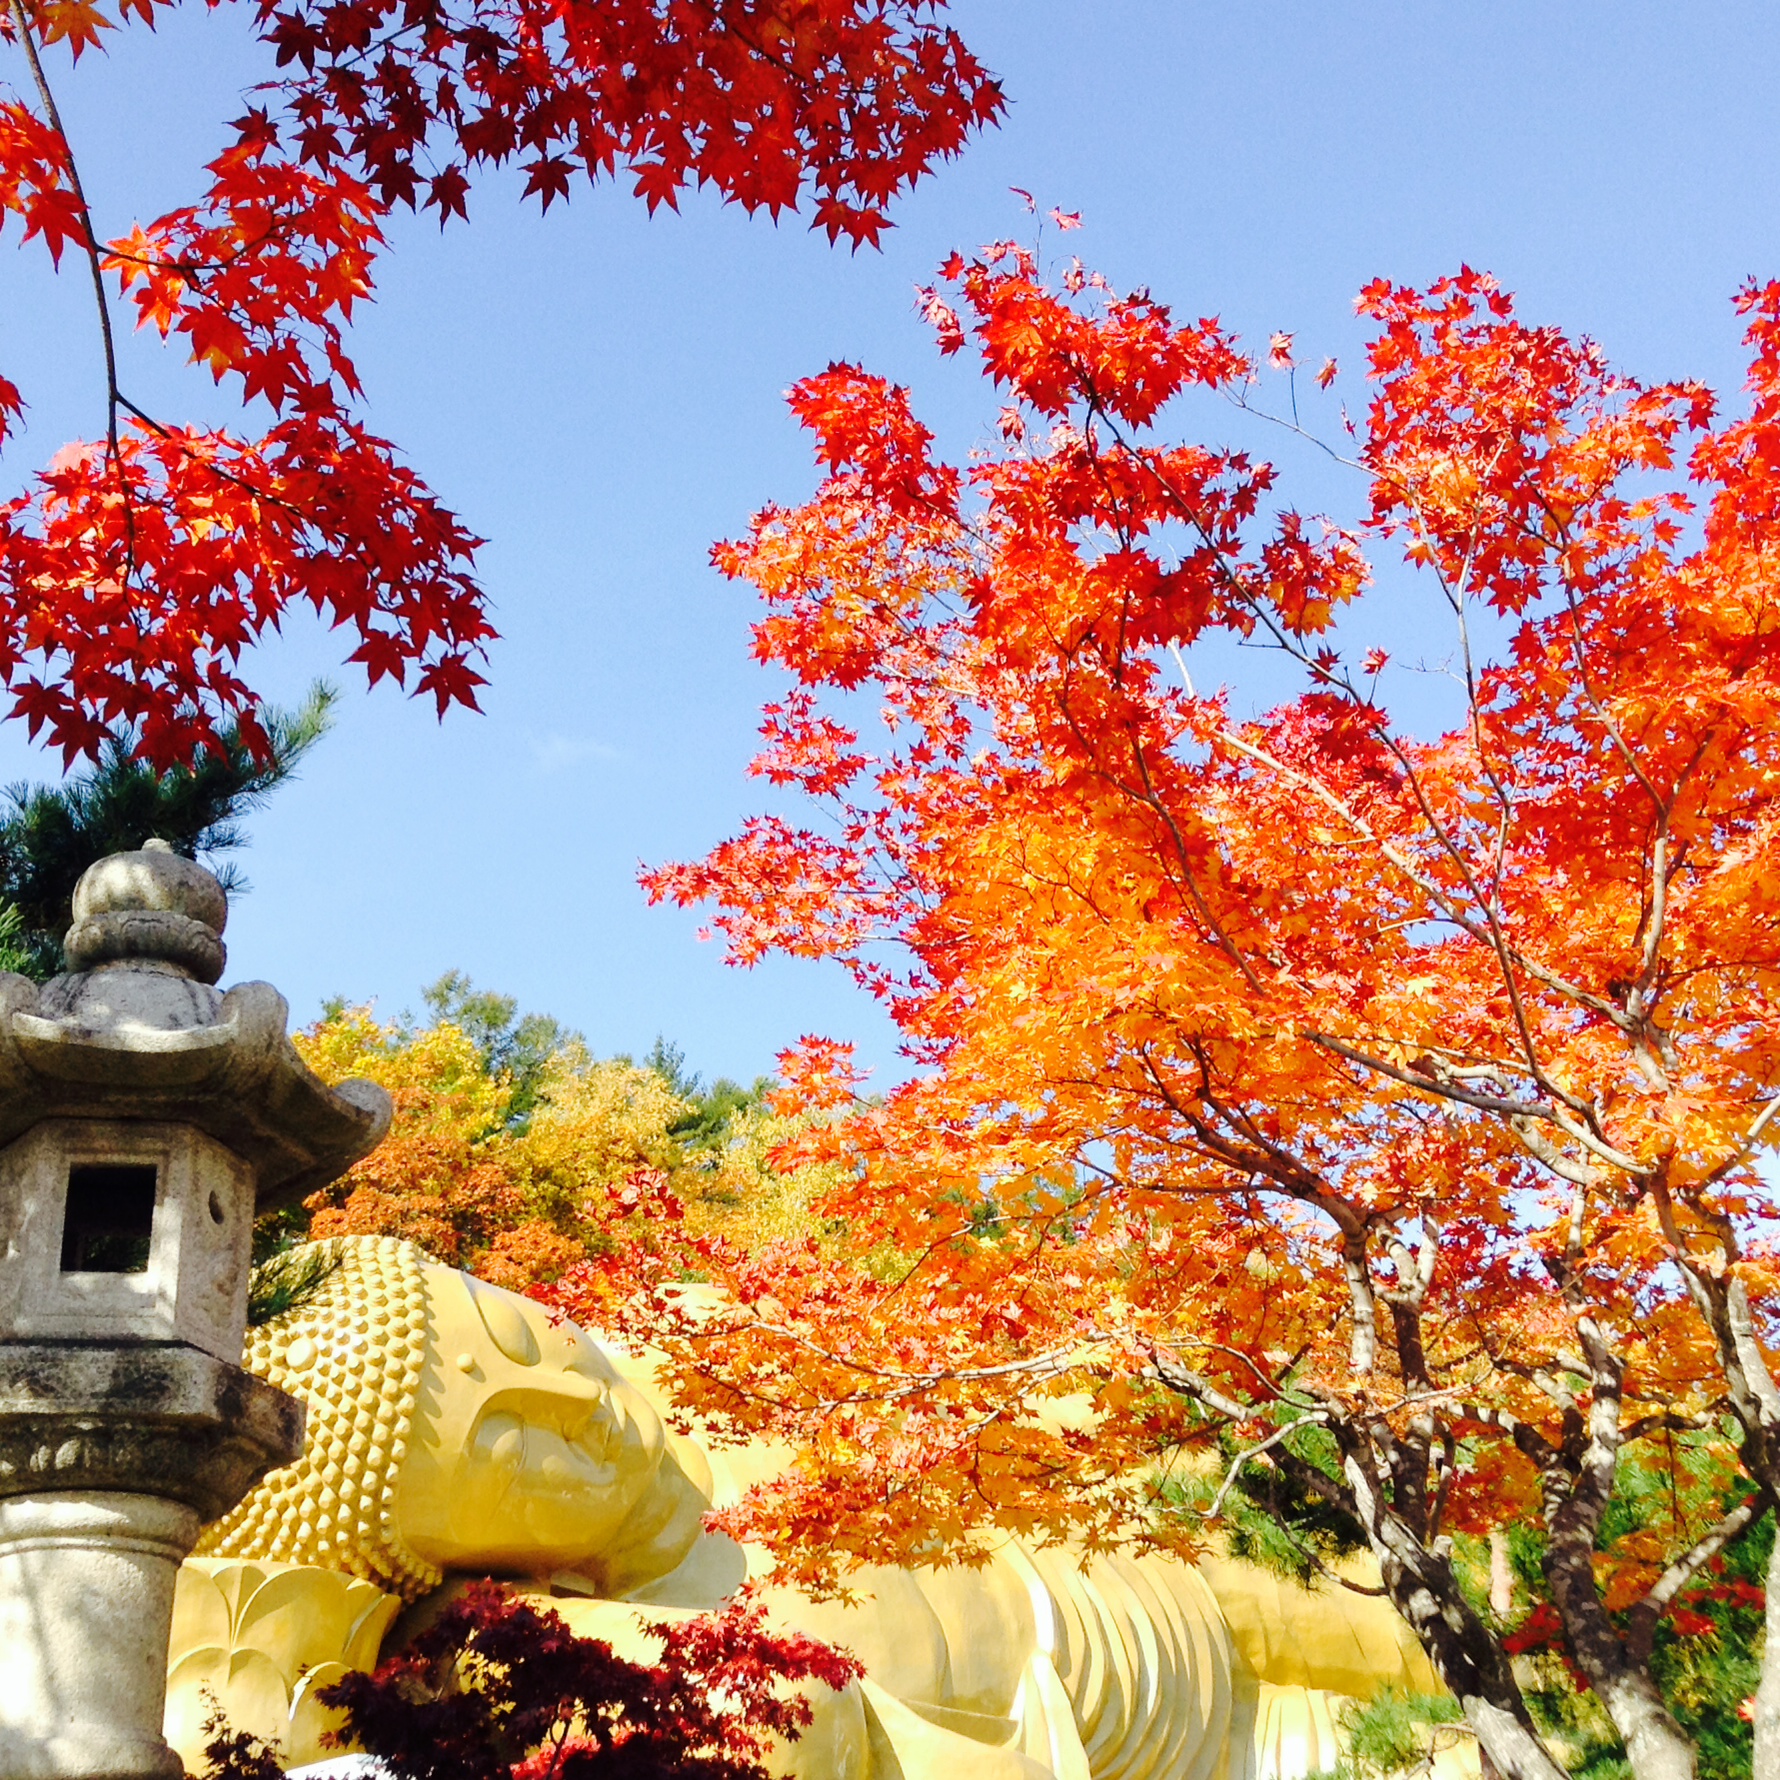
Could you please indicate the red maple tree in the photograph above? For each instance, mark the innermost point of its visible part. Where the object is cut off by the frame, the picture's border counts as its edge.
(136, 567)
(1380, 1108)
(499, 1688)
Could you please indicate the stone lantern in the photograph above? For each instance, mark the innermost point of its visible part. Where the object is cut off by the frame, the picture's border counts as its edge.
(145, 1118)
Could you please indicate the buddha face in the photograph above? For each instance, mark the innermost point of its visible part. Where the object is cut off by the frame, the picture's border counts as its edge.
(527, 1450)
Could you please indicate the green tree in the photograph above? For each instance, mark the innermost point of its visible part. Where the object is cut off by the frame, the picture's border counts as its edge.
(713, 1113)
(1704, 1650)
(50, 834)
(596, 1153)
(518, 1047)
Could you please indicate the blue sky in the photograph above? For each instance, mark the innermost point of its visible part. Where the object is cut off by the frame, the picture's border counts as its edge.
(600, 395)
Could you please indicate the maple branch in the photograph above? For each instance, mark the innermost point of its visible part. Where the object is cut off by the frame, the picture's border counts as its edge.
(1149, 799)
(1593, 702)
(1524, 1435)
(1458, 597)
(1260, 1156)
(722, 19)
(1635, 1020)
(192, 455)
(1321, 673)
(1170, 1369)
(1642, 1620)
(1432, 1084)
(1278, 1392)
(1302, 1473)
(28, 40)
(1746, 1148)
(1491, 932)
(1490, 905)
(192, 269)
(1668, 1421)
(1247, 1454)
(1153, 801)
(1508, 957)
(1723, 1304)
(1054, 1363)
(1239, 400)
(1339, 806)
(1550, 1156)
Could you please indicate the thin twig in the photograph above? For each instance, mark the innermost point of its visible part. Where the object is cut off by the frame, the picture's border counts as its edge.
(113, 398)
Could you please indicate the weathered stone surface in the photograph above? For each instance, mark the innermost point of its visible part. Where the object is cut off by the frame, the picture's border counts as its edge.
(191, 1285)
(142, 1114)
(111, 1459)
(136, 1031)
(151, 904)
(162, 1419)
(86, 1600)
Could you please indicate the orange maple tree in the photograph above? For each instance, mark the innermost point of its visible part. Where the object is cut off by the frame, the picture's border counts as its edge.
(135, 568)
(1384, 1107)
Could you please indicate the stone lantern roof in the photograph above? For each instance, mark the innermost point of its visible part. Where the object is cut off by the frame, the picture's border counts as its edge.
(136, 1029)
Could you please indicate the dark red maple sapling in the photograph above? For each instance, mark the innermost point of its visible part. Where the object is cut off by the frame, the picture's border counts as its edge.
(497, 1688)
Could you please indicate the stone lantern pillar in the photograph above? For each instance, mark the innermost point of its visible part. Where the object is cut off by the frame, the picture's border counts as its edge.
(144, 1119)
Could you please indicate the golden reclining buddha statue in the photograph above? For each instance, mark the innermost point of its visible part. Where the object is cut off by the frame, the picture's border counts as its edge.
(455, 1430)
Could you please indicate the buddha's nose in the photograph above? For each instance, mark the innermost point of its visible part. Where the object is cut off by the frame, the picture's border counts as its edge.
(577, 1385)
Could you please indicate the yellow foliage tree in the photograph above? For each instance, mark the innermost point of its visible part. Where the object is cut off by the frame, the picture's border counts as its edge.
(518, 1193)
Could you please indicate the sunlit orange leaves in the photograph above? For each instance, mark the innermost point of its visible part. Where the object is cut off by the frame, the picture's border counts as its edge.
(1274, 1062)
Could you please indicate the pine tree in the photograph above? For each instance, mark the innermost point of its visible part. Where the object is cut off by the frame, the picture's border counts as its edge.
(50, 834)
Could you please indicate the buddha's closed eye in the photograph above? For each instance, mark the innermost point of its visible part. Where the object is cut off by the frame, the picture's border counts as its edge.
(584, 1419)
(506, 1326)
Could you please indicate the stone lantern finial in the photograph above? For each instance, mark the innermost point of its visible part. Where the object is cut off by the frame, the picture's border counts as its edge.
(151, 907)
(136, 1029)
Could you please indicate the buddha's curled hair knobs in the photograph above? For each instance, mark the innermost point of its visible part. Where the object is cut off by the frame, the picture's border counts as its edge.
(351, 1343)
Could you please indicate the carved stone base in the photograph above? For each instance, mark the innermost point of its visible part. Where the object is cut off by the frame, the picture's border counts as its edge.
(159, 1418)
(111, 1460)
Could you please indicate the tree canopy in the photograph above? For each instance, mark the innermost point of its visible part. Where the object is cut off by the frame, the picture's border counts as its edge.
(496, 1687)
(137, 566)
(50, 834)
(518, 1155)
(1381, 1111)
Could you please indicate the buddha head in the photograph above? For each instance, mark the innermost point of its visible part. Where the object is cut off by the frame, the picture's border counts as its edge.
(453, 1426)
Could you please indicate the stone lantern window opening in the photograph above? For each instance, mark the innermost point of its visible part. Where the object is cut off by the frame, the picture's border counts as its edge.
(124, 1230)
(108, 1218)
